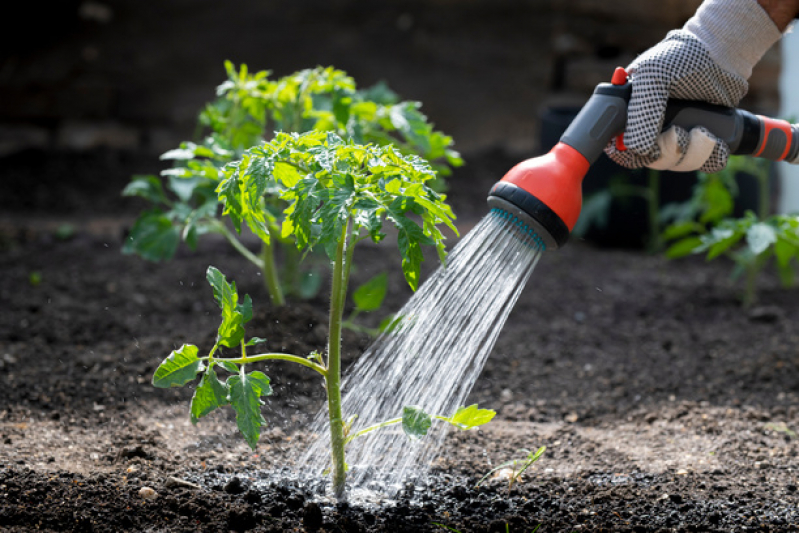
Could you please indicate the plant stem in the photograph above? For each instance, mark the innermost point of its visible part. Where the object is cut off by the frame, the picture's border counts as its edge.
(653, 203)
(387, 423)
(333, 377)
(753, 269)
(247, 254)
(369, 429)
(275, 357)
(271, 279)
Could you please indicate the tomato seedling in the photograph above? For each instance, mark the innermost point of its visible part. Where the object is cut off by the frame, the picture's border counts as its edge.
(248, 107)
(337, 194)
(704, 225)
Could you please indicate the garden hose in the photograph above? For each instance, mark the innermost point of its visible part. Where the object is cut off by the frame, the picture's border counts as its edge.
(545, 193)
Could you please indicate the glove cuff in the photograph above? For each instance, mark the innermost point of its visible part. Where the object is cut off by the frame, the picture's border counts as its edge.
(736, 33)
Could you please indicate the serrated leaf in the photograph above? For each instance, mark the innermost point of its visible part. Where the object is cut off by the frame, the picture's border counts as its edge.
(153, 237)
(234, 314)
(369, 296)
(759, 237)
(209, 395)
(245, 397)
(470, 417)
(180, 367)
(415, 422)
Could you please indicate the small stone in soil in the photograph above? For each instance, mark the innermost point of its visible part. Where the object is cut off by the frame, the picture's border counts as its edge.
(176, 482)
(148, 493)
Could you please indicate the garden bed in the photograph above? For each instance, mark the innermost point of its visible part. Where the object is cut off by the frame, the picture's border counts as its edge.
(663, 405)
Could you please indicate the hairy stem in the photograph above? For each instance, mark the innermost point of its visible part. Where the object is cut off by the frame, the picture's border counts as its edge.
(387, 423)
(233, 240)
(369, 429)
(333, 377)
(274, 357)
(269, 269)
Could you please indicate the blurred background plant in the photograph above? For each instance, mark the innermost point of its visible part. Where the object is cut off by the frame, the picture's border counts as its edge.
(704, 225)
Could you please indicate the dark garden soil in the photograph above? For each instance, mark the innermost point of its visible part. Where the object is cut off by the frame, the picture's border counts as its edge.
(663, 405)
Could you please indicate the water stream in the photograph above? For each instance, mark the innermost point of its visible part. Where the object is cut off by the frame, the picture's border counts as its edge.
(445, 334)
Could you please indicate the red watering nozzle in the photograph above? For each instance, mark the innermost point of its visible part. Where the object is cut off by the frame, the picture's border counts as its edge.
(545, 193)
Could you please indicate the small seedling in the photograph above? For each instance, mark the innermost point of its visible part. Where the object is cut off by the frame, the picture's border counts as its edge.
(337, 194)
(704, 226)
(516, 466)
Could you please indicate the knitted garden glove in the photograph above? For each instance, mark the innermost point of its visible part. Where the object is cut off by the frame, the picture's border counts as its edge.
(708, 60)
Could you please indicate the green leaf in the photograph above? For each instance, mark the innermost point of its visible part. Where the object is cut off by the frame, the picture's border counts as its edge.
(230, 367)
(254, 341)
(785, 251)
(680, 230)
(147, 187)
(760, 236)
(470, 417)
(409, 238)
(391, 324)
(369, 296)
(683, 247)
(179, 368)
(721, 239)
(153, 237)
(234, 314)
(415, 422)
(245, 397)
(209, 395)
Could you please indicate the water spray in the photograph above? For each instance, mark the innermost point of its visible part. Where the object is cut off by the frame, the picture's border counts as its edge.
(543, 195)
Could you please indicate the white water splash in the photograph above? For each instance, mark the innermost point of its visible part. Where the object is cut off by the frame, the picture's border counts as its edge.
(433, 358)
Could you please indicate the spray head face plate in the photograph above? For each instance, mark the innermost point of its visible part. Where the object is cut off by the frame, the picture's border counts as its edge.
(519, 225)
(544, 192)
(522, 223)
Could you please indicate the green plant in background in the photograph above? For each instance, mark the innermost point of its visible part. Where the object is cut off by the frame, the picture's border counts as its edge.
(248, 108)
(516, 466)
(596, 208)
(704, 225)
(336, 194)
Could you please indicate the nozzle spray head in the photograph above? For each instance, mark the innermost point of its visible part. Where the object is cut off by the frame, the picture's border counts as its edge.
(545, 192)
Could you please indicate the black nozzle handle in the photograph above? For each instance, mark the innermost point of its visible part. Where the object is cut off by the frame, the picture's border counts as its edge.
(744, 132)
(604, 117)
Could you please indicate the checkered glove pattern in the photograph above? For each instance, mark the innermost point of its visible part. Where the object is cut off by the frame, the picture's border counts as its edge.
(678, 67)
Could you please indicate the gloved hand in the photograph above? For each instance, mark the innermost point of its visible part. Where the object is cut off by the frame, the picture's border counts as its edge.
(708, 60)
